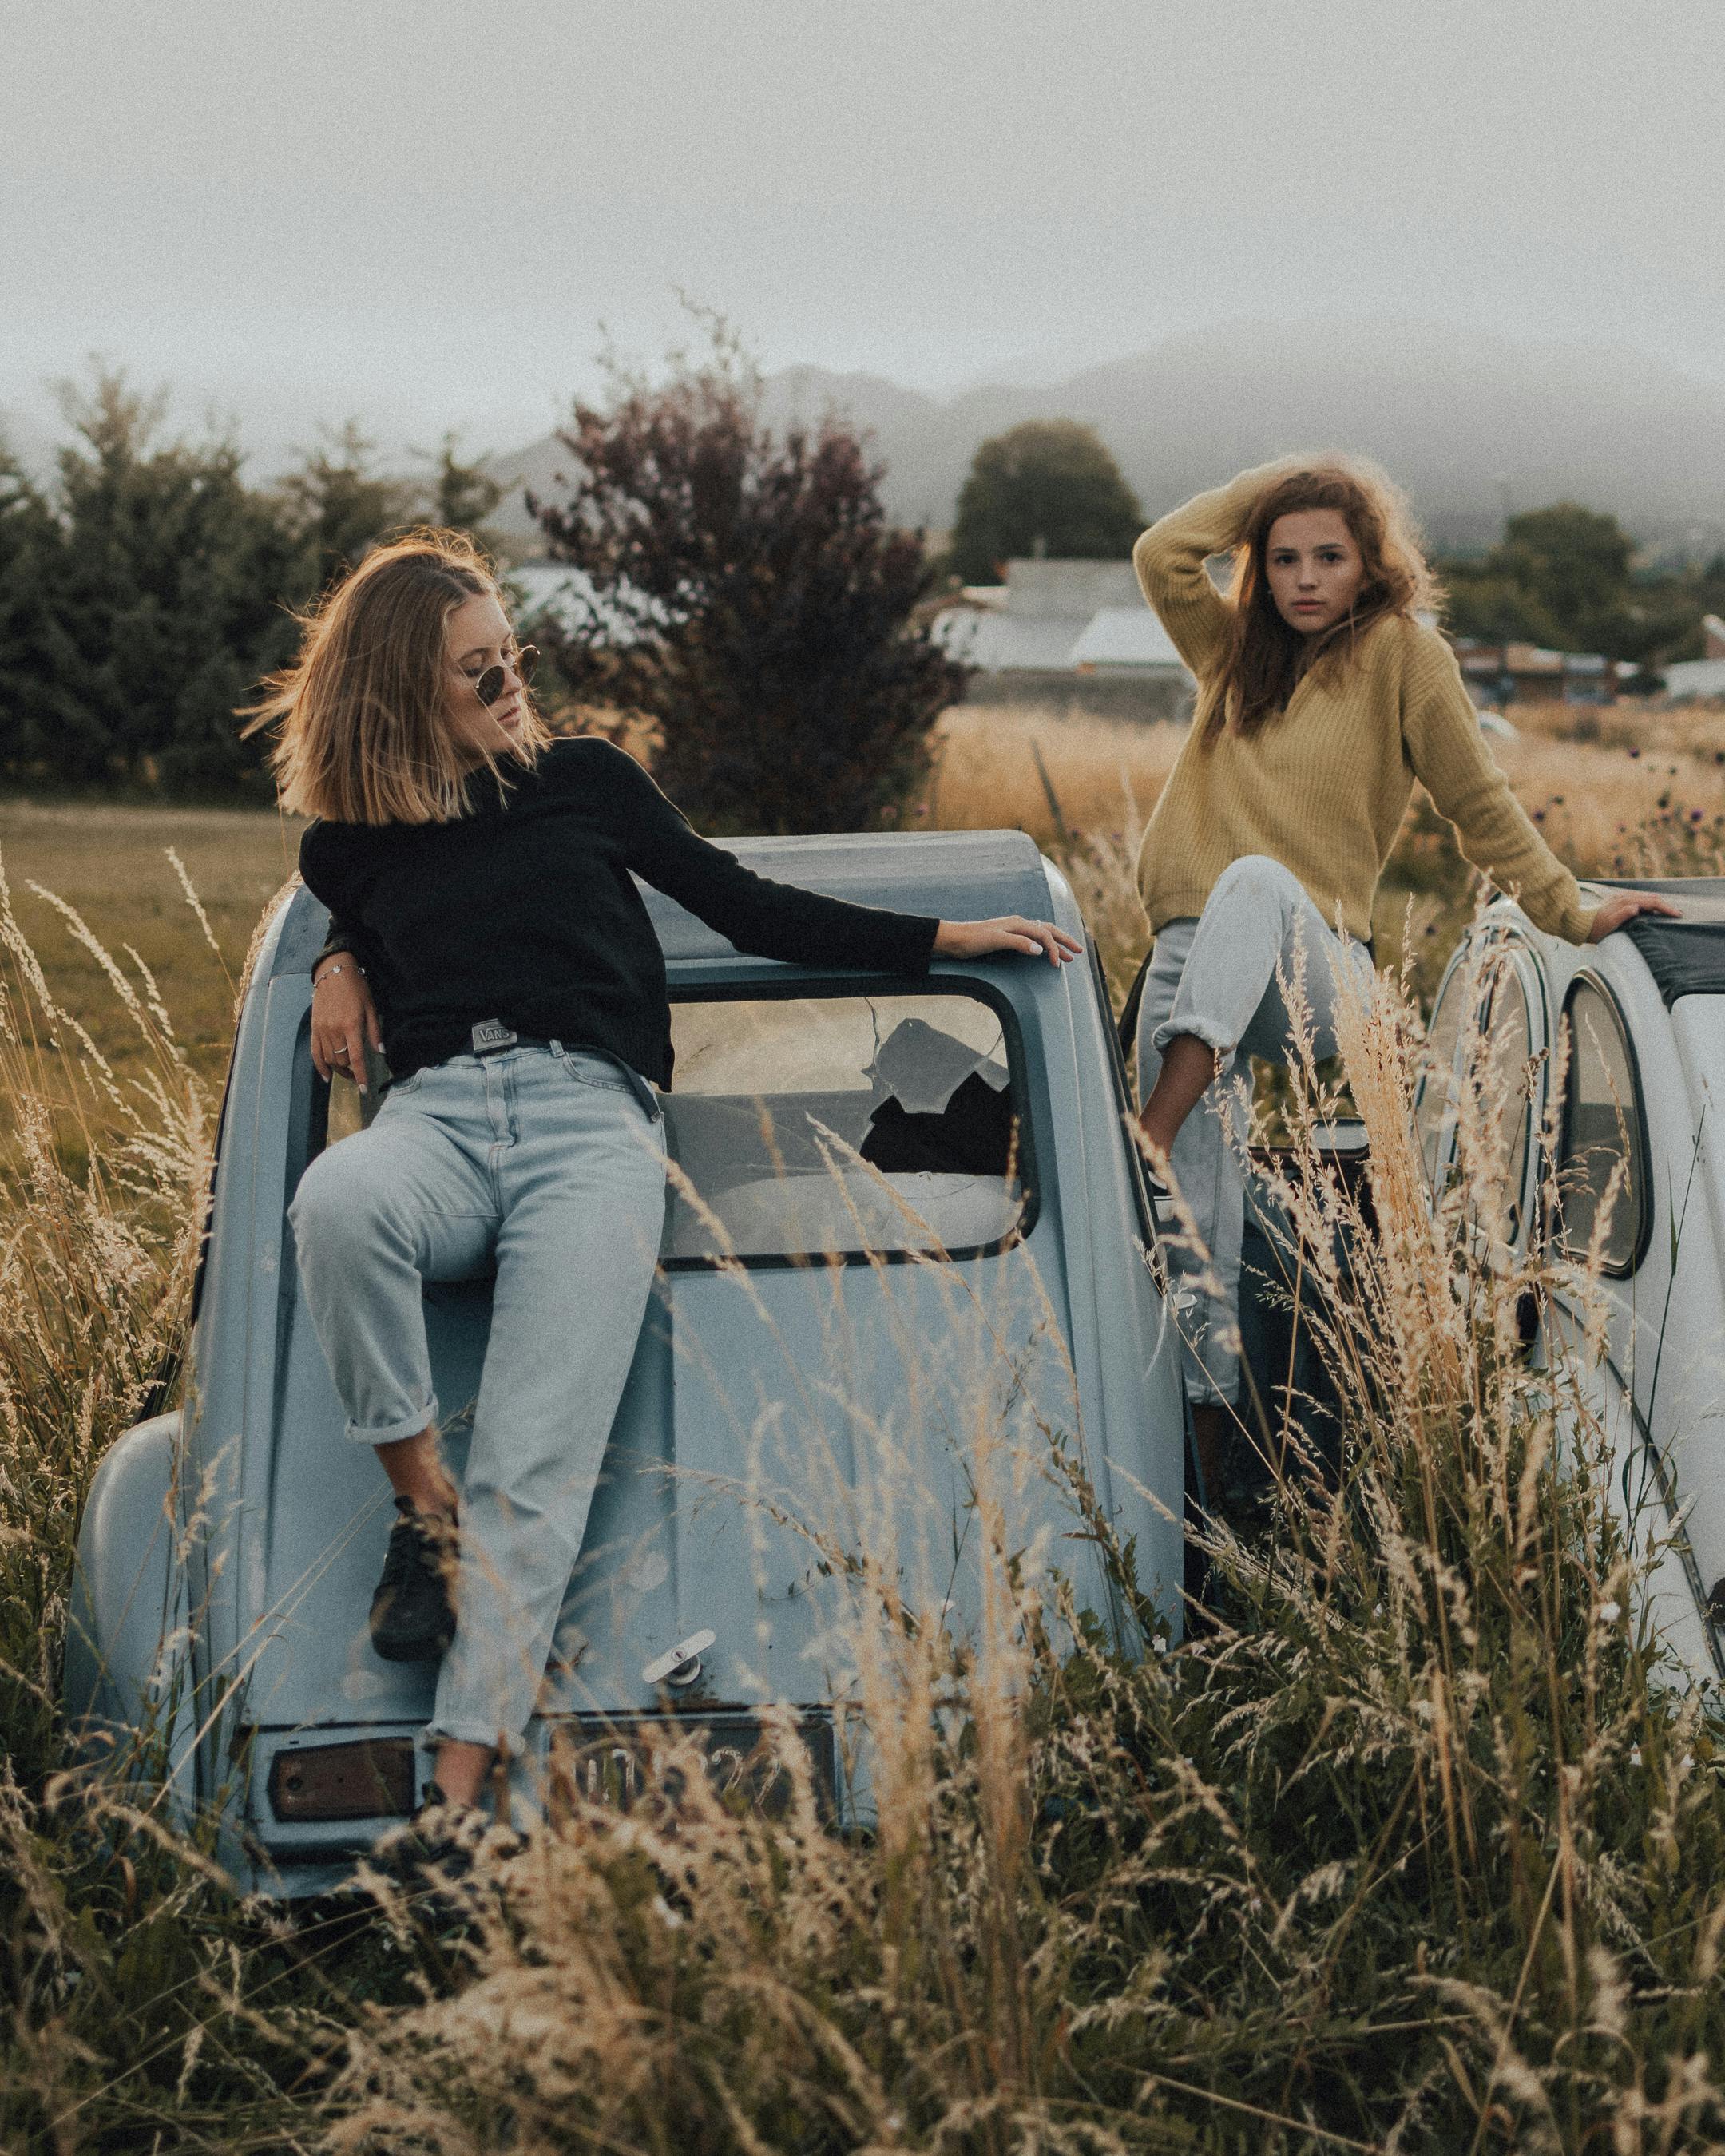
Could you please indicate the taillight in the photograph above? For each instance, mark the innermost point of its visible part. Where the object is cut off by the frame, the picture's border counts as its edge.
(371, 1779)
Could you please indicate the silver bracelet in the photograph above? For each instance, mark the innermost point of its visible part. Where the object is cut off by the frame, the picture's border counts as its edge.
(329, 973)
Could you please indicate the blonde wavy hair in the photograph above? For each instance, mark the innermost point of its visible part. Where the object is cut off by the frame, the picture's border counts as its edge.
(1266, 659)
(361, 716)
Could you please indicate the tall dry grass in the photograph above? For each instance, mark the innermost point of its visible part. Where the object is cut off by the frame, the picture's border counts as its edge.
(142, 2006)
(99, 1177)
(1001, 766)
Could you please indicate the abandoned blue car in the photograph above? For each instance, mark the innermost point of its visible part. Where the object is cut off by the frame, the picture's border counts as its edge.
(905, 1289)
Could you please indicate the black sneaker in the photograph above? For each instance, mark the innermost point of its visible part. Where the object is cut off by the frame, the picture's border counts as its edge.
(442, 1836)
(412, 1617)
(444, 1861)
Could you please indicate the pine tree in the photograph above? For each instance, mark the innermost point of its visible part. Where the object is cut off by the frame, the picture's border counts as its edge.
(337, 502)
(167, 604)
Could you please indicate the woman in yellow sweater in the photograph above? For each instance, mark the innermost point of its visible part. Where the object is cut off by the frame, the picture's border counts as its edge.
(1321, 700)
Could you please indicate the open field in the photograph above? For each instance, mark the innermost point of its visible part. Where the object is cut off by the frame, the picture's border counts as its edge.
(110, 865)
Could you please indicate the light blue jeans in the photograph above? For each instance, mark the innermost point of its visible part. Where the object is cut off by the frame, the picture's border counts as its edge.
(1215, 975)
(544, 1160)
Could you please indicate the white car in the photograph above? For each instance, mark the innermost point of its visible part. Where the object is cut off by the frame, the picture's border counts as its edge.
(1643, 1097)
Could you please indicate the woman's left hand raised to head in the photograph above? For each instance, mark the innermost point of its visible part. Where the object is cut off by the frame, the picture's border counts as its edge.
(1624, 906)
(1012, 931)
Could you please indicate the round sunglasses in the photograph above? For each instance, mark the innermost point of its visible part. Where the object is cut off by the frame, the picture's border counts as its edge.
(489, 686)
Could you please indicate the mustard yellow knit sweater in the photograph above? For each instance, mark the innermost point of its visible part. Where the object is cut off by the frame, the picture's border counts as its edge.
(1324, 787)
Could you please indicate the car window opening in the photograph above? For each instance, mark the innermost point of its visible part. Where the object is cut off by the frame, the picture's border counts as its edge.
(1509, 1043)
(1600, 1159)
(842, 1125)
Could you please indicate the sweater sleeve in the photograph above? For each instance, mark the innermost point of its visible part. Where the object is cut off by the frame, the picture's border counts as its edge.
(343, 936)
(1440, 729)
(1169, 559)
(772, 920)
(321, 876)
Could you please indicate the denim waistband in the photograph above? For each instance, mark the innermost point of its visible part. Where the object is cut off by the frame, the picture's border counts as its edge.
(637, 1084)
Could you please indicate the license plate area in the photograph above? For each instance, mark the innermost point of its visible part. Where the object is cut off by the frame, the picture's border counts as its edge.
(622, 1760)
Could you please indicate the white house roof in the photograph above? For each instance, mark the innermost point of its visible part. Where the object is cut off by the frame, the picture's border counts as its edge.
(550, 587)
(563, 593)
(1068, 590)
(1125, 636)
(998, 642)
(1696, 677)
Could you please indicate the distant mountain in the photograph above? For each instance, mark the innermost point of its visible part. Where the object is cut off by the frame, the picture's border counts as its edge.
(1471, 425)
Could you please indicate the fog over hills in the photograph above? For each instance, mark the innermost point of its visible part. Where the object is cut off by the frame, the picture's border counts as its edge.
(1471, 425)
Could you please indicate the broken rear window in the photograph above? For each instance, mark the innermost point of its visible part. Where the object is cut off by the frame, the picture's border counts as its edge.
(839, 1125)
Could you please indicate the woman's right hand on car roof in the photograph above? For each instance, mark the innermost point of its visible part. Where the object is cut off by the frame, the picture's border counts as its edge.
(344, 1018)
(1009, 931)
(1624, 906)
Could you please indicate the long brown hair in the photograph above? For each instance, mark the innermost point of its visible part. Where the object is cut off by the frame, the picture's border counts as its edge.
(363, 735)
(1266, 659)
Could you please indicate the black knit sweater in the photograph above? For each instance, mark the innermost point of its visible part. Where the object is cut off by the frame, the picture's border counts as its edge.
(524, 909)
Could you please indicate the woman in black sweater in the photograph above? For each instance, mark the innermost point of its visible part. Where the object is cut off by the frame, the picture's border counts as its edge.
(486, 933)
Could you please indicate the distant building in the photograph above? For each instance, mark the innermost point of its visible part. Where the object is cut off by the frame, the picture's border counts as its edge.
(1701, 677)
(1068, 591)
(1528, 674)
(1067, 634)
(1123, 641)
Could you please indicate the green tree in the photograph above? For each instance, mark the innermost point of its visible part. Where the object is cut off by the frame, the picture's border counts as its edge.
(1576, 561)
(1495, 607)
(1560, 576)
(167, 608)
(337, 503)
(461, 496)
(750, 598)
(1049, 487)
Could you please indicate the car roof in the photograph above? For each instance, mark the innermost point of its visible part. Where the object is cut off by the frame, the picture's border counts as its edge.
(1685, 957)
(961, 875)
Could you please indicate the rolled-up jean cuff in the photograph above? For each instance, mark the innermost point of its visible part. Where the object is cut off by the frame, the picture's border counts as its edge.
(462, 1732)
(1215, 1037)
(393, 1433)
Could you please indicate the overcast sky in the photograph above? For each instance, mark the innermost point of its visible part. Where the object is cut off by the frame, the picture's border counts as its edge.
(420, 212)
